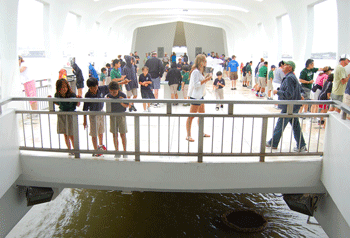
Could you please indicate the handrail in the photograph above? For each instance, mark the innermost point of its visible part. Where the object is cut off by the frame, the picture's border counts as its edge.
(266, 120)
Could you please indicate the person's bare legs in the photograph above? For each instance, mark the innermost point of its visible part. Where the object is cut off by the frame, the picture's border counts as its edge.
(100, 139)
(123, 136)
(155, 93)
(80, 92)
(193, 109)
(66, 139)
(94, 142)
(116, 142)
(34, 106)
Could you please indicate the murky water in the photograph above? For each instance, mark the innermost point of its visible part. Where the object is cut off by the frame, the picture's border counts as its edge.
(94, 213)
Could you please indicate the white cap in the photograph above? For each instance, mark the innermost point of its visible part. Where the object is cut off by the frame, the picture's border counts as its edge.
(344, 56)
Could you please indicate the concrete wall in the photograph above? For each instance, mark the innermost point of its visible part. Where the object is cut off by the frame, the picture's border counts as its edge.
(209, 38)
(12, 202)
(335, 177)
(288, 177)
(149, 38)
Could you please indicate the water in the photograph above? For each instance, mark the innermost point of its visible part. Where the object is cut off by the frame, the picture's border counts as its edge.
(94, 213)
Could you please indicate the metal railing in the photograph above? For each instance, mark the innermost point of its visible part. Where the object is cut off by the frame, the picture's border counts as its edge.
(163, 133)
(42, 90)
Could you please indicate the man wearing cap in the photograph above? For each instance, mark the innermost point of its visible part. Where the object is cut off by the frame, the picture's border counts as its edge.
(307, 79)
(156, 70)
(290, 90)
(340, 81)
(269, 82)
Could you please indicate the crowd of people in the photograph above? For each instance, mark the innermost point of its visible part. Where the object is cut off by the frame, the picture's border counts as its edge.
(120, 80)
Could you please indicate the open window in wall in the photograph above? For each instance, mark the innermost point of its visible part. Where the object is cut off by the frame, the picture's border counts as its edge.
(325, 41)
(287, 38)
(70, 35)
(263, 42)
(30, 37)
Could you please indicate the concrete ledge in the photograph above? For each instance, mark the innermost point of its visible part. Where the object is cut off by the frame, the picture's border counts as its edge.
(303, 176)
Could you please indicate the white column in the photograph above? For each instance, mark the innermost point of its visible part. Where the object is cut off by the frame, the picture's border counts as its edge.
(279, 38)
(343, 27)
(310, 30)
(9, 71)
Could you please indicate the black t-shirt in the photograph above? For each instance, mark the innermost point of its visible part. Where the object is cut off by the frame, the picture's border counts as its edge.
(222, 81)
(327, 88)
(137, 58)
(144, 78)
(95, 106)
(117, 107)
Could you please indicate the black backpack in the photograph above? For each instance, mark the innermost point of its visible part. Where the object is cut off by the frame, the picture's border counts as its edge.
(244, 70)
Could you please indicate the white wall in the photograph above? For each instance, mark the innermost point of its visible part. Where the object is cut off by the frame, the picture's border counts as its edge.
(149, 38)
(207, 37)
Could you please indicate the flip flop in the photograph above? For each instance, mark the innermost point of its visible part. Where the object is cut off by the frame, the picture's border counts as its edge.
(206, 135)
(189, 139)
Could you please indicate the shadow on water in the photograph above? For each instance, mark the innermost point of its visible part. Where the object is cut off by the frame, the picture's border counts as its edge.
(96, 213)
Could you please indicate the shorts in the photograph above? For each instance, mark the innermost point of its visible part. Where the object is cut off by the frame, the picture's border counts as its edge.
(315, 95)
(118, 124)
(337, 97)
(80, 84)
(269, 85)
(132, 92)
(196, 104)
(147, 94)
(245, 78)
(30, 90)
(185, 89)
(107, 80)
(156, 83)
(249, 78)
(173, 88)
(346, 99)
(65, 124)
(276, 85)
(97, 125)
(233, 75)
(262, 82)
(307, 93)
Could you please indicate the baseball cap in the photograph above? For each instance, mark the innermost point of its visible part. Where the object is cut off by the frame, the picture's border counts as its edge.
(273, 66)
(344, 57)
(291, 63)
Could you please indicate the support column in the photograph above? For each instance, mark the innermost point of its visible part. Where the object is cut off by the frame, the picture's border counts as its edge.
(279, 38)
(343, 27)
(9, 68)
(310, 30)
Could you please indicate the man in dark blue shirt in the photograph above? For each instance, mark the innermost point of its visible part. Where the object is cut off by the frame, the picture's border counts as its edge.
(290, 90)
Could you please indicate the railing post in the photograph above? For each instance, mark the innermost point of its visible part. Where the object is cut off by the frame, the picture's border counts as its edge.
(137, 138)
(168, 108)
(51, 106)
(290, 109)
(230, 109)
(200, 138)
(76, 136)
(263, 139)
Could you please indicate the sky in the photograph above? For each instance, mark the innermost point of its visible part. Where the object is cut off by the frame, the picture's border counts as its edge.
(30, 29)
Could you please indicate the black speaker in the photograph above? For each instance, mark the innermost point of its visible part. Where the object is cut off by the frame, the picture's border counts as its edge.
(37, 195)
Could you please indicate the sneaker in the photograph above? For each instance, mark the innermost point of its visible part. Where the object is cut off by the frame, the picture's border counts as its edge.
(133, 108)
(232, 89)
(217, 108)
(149, 109)
(302, 149)
(222, 106)
(262, 95)
(257, 94)
(130, 109)
(71, 154)
(96, 155)
(269, 145)
(125, 156)
(102, 147)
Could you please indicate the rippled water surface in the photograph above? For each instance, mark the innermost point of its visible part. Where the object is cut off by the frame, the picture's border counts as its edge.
(95, 213)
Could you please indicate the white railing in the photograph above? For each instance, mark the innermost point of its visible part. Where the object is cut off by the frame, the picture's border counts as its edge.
(163, 133)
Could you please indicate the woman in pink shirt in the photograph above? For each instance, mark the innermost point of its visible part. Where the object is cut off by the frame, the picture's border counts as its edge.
(317, 88)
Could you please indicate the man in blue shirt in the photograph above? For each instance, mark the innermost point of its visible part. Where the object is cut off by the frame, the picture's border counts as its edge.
(233, 69)
(290, 90)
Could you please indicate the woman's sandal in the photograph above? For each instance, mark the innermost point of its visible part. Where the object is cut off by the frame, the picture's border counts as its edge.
(189, 139)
